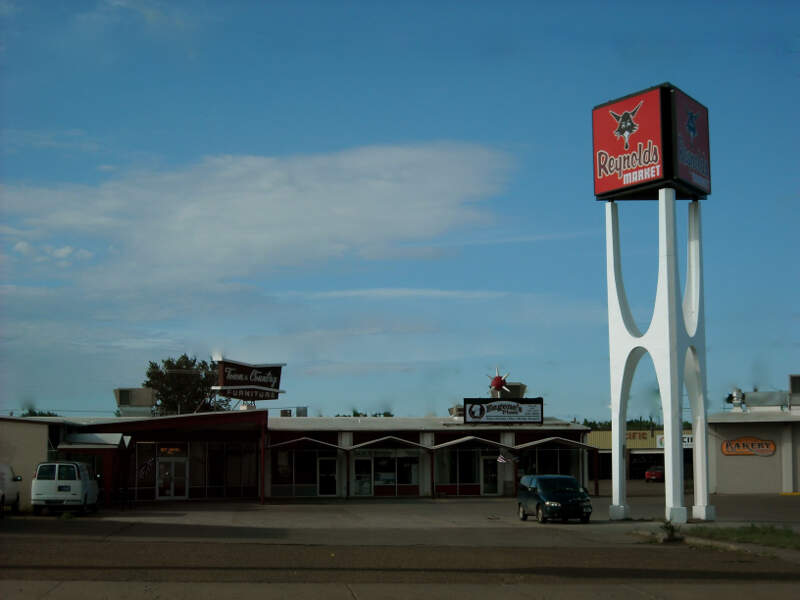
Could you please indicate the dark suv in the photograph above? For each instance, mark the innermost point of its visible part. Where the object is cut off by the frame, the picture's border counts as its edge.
(553, 497)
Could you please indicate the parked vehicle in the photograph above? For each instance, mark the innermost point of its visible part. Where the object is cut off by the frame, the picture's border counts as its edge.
(9, 489)
(553, 497)
(654, 473)
(63, 485)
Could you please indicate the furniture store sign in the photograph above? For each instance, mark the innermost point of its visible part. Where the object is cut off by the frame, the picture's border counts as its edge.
(501, 410)
(246, 381)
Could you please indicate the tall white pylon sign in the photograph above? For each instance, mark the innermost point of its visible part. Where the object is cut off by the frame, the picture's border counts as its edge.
(675, 341)
(648, 145)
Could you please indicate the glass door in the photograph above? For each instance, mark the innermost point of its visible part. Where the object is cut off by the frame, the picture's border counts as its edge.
(363, 476)
(489, 477)
(171, 478)
(326, 476)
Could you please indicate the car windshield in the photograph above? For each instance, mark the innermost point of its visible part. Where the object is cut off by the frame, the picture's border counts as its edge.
(565, 484)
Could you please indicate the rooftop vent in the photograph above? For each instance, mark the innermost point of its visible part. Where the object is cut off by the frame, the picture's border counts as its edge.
(135, 402)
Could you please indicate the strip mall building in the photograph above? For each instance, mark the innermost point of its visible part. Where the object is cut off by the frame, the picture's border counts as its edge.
(245, 454)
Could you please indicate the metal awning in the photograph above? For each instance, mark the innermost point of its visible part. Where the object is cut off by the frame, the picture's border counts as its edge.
(93, 441)
(557, 440)
(388, 438)
(306, 439)
(470, 438)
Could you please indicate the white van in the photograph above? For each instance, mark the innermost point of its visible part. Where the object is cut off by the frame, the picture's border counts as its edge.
(63, 484)
(9, 489)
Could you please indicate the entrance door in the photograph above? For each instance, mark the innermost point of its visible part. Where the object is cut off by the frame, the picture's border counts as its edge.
(363, 475)
(326, 476)
(171, 478)
(489, 480)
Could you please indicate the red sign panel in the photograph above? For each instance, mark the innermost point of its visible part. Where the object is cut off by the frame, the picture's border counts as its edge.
(628, 142)
(649, 140)
(692, 156)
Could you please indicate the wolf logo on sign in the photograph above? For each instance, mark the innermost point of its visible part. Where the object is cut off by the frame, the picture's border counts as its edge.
(691, 125)
(625, 123)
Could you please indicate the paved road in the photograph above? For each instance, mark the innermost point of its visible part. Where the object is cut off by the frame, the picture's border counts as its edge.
(381, 549)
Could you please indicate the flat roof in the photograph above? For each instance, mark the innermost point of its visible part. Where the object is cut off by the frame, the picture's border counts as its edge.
(408, 424)
(274, 423)
(755, 416)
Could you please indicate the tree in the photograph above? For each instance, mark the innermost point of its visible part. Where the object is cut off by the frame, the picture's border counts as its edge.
(32, 412)
(183, 385)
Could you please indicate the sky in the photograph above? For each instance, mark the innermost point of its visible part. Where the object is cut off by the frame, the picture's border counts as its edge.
(392, 198)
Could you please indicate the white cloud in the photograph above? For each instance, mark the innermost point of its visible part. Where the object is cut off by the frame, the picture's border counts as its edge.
(23, 248)
(69, 139)
(408, 294)
(240, 216)
(62, 252)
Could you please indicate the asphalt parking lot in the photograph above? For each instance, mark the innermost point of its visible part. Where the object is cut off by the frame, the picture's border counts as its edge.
(381, 549)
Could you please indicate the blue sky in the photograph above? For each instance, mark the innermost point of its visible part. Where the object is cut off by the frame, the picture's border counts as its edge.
(393, 198)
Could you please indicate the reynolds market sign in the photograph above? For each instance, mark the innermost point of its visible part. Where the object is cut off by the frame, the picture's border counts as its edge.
(654, 138)
(246, 381)
(503, 410)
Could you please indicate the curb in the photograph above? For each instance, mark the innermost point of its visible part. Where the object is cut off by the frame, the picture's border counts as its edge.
(792, 556)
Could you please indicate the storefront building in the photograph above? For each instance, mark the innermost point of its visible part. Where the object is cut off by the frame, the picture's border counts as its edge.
(643, 449)
(754, 448)
(243, 454)
(422, 457)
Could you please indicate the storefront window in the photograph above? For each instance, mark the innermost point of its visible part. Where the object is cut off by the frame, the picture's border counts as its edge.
(249, 470)
(216, 470)
(408, 470)
(233, 471)
(446, 461)
(385, 470)
(468, 466)
(145, 471)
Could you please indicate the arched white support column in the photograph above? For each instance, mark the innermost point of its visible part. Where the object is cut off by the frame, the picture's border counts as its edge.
(668, 339)
(695, 362)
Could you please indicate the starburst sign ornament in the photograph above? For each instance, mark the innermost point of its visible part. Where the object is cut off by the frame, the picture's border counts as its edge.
(497, 382)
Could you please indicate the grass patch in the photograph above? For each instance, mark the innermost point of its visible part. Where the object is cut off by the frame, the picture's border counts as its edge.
(764, 535)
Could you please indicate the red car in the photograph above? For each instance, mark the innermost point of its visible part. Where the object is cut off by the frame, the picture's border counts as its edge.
(654, 473)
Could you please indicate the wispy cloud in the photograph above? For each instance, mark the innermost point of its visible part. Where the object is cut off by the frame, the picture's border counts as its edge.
(500, 239)
(150, 12)
(234, 217)
(404, 294)
(14, 140)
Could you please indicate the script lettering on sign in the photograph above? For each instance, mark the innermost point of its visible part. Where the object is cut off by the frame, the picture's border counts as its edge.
(748, 446)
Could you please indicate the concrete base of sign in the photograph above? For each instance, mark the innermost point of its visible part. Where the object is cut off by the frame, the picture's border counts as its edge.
(619, 512)
(704, 512)
(677, 514)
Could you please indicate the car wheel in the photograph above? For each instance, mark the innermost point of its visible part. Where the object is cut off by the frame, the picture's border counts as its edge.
(540, 514)
(585, 518)
(15, 506)
(37, 510)
(523, 516)
(83, 506)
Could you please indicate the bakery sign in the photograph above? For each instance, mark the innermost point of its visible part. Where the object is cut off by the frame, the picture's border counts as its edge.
(245, 381)
(748, 446)
(503, 410)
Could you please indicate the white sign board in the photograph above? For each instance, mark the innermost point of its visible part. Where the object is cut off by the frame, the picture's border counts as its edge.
(503, 410)
(688, 441)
